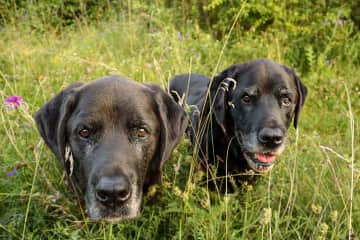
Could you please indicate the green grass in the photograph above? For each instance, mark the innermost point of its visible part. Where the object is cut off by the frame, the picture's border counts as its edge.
(312, 193)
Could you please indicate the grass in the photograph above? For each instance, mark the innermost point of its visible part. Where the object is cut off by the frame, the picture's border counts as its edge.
(312, 193)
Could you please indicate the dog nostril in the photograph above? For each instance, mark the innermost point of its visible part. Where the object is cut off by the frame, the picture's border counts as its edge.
(277, 139)
(272, 136)
(123, 195)
(111, 190)
(101, 196)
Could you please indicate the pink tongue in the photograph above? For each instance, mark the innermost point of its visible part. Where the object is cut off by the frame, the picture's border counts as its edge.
(265, 158)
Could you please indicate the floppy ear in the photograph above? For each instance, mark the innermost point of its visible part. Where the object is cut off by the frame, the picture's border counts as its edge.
(173, 122)
(51, 120)
(301, 91)
(219, 91)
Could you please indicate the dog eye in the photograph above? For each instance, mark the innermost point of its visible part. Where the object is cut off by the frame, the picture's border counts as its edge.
(84, 133)
(286, 101)
(246, 98)
(142, 133)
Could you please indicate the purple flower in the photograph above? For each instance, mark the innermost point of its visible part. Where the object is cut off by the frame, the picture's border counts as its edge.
(13, 102)
(181, 38)
(11, 173)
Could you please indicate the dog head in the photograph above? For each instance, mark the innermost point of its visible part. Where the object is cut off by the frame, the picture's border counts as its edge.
(257, 101)
(112, 136)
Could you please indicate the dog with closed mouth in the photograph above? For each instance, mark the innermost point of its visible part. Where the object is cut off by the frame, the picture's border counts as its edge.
(239, 119)
(113, 136)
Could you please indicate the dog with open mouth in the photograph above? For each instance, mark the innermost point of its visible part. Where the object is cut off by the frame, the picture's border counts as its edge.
(112, 135)
(239, 119)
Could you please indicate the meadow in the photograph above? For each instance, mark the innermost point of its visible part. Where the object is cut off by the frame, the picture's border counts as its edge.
(313, 190)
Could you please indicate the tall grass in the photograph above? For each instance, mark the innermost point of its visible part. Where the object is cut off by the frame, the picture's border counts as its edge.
(312, 193)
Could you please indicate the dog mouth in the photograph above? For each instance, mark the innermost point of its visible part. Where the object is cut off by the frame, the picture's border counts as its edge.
(260, 162)
(98, 210)
(112, 215)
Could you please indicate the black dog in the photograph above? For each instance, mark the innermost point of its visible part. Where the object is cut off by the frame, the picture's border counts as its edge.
(113, 136)
(240, 118)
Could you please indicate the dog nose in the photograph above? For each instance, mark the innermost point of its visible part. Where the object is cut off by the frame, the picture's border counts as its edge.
(112, 190)
(271, 137)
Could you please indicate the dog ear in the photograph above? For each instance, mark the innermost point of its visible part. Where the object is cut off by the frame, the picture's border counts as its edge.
(51, 121)
(219, 91)
(173, 122)
(301, 92)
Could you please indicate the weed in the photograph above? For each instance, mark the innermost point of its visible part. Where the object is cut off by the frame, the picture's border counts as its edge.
(312, 191)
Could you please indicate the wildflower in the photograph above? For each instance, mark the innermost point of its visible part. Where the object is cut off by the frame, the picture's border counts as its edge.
(249, 188)
(315, 208)
(177, 191)
(334, 216)
(323, 228)
(266, 216)
(185, 196)
(205, 203)
(11, 173)
(152, 191)
(18, 166)
(166, 184)
(199, 175)
(181, 38)
(340, 21)
(13, 102)
(191, 186)
(226, 199)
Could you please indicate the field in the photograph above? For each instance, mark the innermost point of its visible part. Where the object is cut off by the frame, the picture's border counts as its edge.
(313, 191)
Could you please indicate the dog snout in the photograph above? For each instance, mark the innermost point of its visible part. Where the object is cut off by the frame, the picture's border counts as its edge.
(113, 190)
(271, 137)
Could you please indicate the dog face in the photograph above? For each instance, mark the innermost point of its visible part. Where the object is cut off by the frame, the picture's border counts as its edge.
(113, 136)
(257, 101)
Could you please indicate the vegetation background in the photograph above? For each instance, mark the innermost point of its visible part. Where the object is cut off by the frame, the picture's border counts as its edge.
(312, 193)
